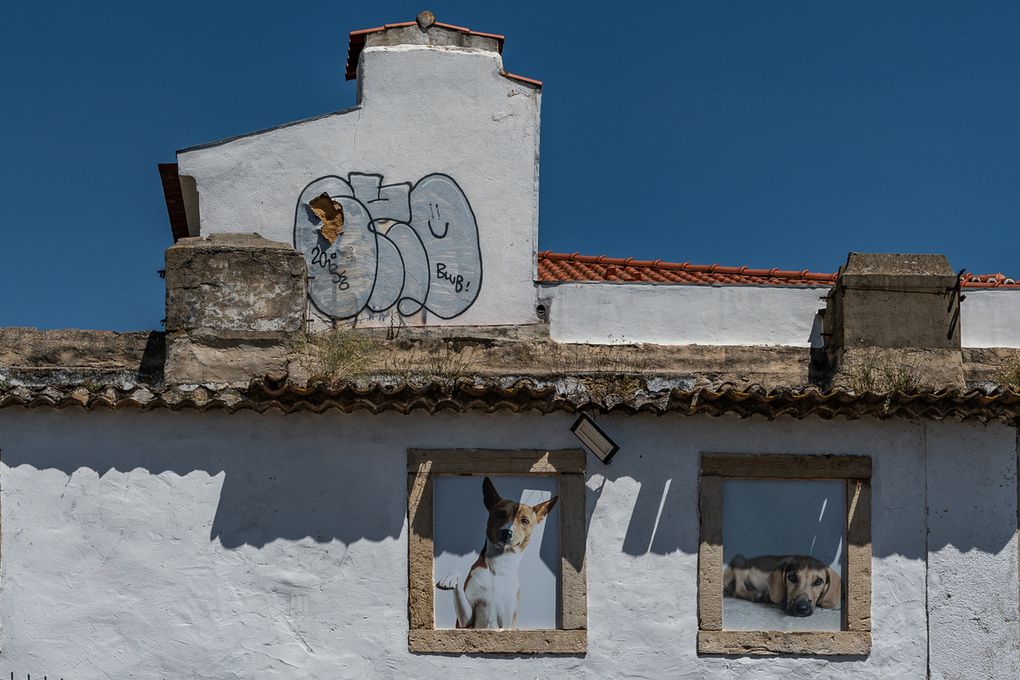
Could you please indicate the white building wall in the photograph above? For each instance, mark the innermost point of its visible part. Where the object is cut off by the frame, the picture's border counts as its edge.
(609, 313)
(968, 532)
(423, 110)
(991, 317)
(243, 546)
(665, 314)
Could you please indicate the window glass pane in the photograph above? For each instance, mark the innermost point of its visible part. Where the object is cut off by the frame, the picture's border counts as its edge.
(486, 551)
(783, 553)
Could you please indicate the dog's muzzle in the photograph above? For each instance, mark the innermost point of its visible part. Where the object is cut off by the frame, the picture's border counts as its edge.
(801, 607)
(505, 535)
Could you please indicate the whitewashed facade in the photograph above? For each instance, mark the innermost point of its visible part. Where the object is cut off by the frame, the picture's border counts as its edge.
(244, 545)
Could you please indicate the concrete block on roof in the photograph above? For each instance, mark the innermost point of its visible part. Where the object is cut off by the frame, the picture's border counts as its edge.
(892, 322)
(235, 282)
(894, 301)
(234, 304)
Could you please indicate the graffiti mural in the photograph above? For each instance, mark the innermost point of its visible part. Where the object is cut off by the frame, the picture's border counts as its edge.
(379, 247)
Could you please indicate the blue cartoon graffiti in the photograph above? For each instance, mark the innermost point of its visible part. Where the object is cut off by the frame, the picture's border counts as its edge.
(378, 247)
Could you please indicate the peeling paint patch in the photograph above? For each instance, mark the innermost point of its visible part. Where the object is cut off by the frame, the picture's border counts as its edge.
(331, 214)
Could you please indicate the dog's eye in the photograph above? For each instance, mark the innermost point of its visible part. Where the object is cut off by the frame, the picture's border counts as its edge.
(525, 520)
(792, 577)
(819, 581)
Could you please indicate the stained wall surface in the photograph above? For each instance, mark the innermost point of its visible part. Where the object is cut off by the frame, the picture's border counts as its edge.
(272, 546)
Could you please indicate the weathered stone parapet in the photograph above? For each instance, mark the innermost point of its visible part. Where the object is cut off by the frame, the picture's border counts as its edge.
(43, 357)
(892, 322)
(234, 305)
(76, 348)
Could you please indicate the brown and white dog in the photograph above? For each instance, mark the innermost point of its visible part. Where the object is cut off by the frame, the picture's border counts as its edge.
(491, 593)
(797, 583)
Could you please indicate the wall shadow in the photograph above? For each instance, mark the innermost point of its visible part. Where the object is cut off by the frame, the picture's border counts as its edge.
(657, 524)
(665, 515)
(315, 488)
(291, 477)
(666, 497)
(301, 494)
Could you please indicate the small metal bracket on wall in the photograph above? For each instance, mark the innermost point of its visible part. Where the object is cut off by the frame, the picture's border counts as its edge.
(955, 296)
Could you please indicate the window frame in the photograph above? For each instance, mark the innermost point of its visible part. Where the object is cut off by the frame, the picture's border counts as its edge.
(854, 638)
(568, 466)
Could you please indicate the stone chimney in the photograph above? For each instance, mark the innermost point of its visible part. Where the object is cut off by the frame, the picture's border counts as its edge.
(235, 304)
(892, 322)
(424, 30)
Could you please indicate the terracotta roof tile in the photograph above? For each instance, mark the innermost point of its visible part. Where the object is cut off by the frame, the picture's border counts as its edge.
(534, 395)
(998, 280)
(560, 267)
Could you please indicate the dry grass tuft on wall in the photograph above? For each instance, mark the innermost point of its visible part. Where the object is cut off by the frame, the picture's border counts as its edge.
(1010, 374)
(336, 355)
(442, 361)
(873, 373)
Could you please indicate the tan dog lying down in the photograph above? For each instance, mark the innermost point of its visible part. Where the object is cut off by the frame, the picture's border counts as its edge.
(797, 583)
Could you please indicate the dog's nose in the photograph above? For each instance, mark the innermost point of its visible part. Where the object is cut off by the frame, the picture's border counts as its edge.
(505, 535)
(802, 608)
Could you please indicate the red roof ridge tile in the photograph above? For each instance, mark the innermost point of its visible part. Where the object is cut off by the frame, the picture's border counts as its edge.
(481, 34)
(996, 280)
(521, 79)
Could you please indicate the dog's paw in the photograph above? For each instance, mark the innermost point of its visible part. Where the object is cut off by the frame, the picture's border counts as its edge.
(449, 583)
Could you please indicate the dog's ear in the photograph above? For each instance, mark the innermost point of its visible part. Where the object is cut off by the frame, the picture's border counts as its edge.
(543, 508)
(489, 494)
(777, 585)
(833, 592)
(738, 561)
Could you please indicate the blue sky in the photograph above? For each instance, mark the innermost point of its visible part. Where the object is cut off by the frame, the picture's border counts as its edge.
(782, 133)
